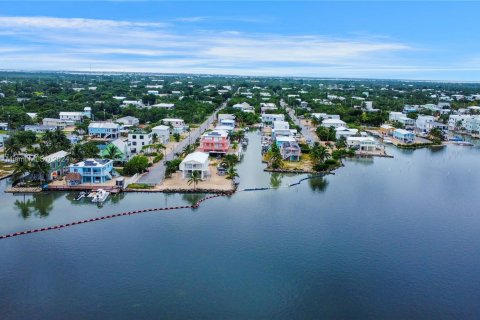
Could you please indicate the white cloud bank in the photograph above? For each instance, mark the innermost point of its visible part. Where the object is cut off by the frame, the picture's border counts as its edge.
(50, 43)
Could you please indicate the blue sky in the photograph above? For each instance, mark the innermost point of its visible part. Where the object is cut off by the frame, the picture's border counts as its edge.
(407, 40)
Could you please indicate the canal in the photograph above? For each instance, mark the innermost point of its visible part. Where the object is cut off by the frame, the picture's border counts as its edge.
(382, 238)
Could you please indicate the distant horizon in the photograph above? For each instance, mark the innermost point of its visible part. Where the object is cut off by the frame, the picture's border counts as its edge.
(100, 72)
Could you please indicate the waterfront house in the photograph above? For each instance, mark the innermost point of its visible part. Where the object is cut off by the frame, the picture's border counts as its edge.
(362, 143)
(215, 142)
(268, 118)
(104, 130)
(73, 179)
(93, 170)
(336, 123)
(139, 139)
(163, 133)
(58, 163)
(228, 123)
(422, 123)
(196, 161)
(289, 148)
(404, 135)
(386, 129)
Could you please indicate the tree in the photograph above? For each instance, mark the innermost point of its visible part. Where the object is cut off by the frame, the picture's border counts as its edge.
(90, 150)
(39, 168)
(111, 152)
(76, 152)
(230, 160)
(12, 148)
(436, 135)
(195, 178)
(319, 154)
(232, 173)
(176, 136)
(137, 164)
(20, 168)
(274, 157)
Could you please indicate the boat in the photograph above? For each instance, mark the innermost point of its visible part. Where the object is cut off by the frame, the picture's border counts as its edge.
(99, 196)
(387, 141)
(463, 143)
(80, 196)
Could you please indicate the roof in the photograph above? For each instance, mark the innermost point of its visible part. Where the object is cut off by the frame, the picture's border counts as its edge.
(71, 113)
(55, 156)
(101, 125)
(91, 163)
(360, 139)
(403, 131)
(199, 157)
(161, 127)
(163, 105)
(216, 133)
(73, 176)
(171, 120)
(285, 139)
(327, 121)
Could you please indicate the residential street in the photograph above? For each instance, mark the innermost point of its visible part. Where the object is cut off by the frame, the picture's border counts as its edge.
(309, 136)
(157, 172)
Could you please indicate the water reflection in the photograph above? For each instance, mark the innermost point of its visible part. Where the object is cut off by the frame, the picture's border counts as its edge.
(318, 184)
(276, 179)
(192, 198)
(40, 204)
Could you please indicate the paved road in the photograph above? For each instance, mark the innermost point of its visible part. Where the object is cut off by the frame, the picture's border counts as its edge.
(157, 172)
(309, 136)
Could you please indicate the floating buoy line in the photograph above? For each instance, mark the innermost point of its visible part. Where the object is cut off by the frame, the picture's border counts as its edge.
(129, 213)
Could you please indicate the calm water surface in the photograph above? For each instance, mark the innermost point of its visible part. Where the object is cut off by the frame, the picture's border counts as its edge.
(381, 239)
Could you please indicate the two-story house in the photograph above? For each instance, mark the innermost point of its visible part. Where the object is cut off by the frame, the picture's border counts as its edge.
(104, 130)
(138, 140)
(215, 142)
(93, 170)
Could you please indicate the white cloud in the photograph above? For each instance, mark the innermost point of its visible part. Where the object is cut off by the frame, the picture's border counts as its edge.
(50, 43)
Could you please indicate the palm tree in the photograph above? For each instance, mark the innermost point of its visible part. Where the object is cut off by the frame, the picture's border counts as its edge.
(230, 160)
(76, 152)
(195, 178)
(39, 168)
(319, 153)
(12, 148)
(274, 157)
(112, 152)
(232, 173)
(20, 168)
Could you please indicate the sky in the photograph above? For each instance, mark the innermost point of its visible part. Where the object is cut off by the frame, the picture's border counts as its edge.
(433, 40)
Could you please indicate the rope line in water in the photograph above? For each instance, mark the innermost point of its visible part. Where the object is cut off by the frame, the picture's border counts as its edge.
(196, 205)
(128, 213)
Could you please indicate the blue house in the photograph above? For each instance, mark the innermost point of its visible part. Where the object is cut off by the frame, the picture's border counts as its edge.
(404, 135)
(93, 170)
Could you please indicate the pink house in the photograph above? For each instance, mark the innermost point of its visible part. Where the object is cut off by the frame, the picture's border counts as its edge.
(215, 142)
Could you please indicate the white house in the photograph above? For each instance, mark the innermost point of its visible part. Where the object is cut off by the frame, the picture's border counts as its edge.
(336, 123)
(128, 121)
(267, 106)
(362, 143)
(196, 161)
(345, 132)
(245, 107)
(139, 139)
(268, 118)
(422, 123)
(281, 129)
(457, 121)
(71, 116)
(166, 106)
(162, 132)
(174, 122)
(402, 118)
(225, 116)
(325, 116)
(58, 123)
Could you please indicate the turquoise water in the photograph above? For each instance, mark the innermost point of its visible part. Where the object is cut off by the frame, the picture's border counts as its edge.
(382, 238)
